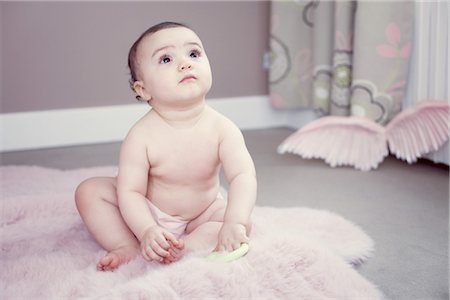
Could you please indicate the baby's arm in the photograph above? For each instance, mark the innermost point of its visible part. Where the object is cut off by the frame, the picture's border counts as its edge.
(132, 183)
(241, 176)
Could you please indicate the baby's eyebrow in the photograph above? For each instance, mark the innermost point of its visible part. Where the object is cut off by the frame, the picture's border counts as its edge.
(172, 46)
(162, 48)
(195, 44)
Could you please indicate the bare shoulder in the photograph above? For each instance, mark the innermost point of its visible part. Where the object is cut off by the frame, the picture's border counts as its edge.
(138, 135)
(226, 127)
(143, 126)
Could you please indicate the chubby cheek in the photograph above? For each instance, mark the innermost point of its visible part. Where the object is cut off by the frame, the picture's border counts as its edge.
(208, 83)
(207, 74)
(160, 84)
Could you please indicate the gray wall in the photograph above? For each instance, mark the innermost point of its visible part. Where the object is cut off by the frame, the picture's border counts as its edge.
(66, 55)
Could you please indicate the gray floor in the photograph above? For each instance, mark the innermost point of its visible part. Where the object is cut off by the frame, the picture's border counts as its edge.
(404, 208)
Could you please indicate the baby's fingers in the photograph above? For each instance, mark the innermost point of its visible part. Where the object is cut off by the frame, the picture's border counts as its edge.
(160, 251)
(171, 238)
(236, 246)
(223, 247)
(230, 246)
(149, 254)
(163, 243)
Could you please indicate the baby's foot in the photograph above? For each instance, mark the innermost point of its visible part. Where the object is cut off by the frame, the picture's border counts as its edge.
(176, 251)
(116, 257)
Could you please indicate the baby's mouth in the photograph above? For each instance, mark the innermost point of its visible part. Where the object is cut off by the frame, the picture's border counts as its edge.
(187, 78)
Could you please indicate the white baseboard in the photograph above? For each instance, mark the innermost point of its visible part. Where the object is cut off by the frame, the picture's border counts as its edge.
(92, 125)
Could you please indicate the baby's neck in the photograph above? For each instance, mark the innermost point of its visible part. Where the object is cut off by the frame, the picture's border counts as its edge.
(181, 117)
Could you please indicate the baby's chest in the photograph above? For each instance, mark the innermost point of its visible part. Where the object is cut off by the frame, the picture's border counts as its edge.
(195, 157)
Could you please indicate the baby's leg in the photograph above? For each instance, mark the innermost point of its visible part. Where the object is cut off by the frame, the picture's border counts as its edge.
(202, 232)
(96, 200)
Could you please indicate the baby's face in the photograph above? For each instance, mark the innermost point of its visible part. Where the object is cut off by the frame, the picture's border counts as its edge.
(173, 67)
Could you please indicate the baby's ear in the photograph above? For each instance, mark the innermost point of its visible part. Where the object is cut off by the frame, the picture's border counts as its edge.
(139, 88)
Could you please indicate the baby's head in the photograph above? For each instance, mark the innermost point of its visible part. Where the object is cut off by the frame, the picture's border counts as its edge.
(168, 63)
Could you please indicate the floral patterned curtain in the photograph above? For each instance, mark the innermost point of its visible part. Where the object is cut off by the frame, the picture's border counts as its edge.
(349, 61)
(341, 57)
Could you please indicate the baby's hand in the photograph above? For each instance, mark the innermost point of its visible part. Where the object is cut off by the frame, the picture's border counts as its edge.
(155, 245)
(231, 236)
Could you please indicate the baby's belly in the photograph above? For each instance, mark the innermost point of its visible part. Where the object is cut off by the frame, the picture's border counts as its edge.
(185, 201)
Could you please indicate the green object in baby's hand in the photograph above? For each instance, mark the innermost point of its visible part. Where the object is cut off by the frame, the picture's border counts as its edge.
(224, 256)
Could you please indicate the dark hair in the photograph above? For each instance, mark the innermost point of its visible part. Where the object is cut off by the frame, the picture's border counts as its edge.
(132, 60)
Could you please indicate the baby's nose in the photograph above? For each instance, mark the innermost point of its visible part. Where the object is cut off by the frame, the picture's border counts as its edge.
(185, 66)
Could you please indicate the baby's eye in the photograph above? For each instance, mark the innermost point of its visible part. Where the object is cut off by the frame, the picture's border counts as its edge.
(164, 60)
(194, 54)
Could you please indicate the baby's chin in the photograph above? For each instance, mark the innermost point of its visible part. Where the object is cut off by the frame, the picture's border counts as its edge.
(190, 98)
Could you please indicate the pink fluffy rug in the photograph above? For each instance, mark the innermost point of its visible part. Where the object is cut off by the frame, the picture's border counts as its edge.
(295, 253)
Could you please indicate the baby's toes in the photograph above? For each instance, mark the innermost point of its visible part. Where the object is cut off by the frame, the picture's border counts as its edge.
(108, 262)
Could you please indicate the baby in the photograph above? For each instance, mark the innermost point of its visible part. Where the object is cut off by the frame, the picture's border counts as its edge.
(165, 200)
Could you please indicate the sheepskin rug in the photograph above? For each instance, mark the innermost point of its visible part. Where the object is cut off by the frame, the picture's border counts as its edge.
(295, 253)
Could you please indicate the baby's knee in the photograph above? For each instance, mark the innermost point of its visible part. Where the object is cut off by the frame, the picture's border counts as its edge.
(96, 188)
(85, 191)
(82, 190)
